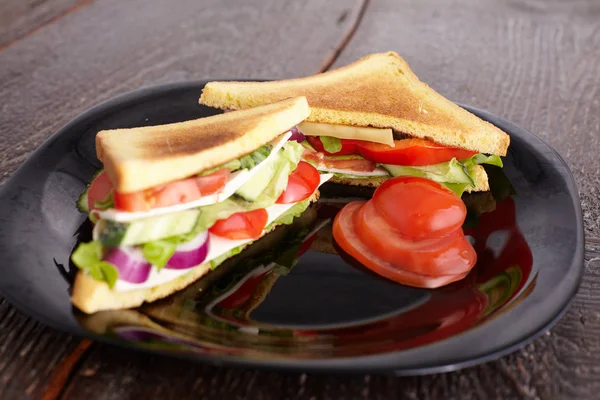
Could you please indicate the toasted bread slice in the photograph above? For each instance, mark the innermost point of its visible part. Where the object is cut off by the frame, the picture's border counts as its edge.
(140, 158)
(90, 295)
(378, 90)
(481, 181)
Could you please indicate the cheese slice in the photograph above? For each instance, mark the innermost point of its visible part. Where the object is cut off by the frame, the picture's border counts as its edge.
(235, 182)
(376, 135)
(216, 247)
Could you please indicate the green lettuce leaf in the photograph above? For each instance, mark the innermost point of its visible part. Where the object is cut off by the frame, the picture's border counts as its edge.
(331, 144)
(159, 252)
(88, 258)
(454, 174)
(295, 211)
(248, 161)
(219, 260)
(478, 159)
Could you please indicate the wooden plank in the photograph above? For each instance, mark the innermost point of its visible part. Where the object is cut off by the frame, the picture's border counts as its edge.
(111, 47)
(19, 18)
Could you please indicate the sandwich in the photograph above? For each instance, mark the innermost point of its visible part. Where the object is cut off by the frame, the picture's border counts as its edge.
(174, 201)
(374, 119)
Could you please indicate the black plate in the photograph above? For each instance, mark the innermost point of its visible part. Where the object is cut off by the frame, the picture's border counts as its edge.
(323, 315)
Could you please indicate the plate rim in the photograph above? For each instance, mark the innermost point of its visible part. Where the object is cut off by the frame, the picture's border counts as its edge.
(356, 364)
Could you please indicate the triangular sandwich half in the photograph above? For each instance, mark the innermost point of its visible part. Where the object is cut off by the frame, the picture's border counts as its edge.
(362, 111)
(174, 201)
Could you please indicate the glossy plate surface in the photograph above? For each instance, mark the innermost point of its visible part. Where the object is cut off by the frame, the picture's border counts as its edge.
(290, 301)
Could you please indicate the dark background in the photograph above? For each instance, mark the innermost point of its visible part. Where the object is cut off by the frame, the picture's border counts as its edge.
(530, 61)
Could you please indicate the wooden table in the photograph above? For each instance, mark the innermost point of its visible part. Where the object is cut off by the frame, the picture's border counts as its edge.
(534, 62)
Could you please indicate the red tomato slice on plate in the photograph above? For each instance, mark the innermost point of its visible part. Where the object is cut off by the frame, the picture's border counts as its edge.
(411, 152)
(242, 225)
(419, 208)
(99, 189)
(449, 255)
(302, 183)
(344, 233)
(349, 146)
(178, 192)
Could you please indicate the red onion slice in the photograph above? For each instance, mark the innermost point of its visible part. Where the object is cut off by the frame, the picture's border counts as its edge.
(297, 135)
(190, 254)
(130, 262)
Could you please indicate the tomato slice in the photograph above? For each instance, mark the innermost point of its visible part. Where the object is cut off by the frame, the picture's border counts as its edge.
(411, 152)
(242, 225)
(358, 165)
(449, 255)
(349, 146)
(178, 192)
(418, 208)
(302, 183)
(99, 189)
(345, 234)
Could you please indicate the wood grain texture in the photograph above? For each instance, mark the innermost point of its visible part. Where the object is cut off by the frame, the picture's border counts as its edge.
(19, 18)
(112, 46)
(109, 47)
(29, 352)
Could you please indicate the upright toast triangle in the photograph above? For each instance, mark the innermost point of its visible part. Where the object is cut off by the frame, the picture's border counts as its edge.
(140, 158)
(378, 90)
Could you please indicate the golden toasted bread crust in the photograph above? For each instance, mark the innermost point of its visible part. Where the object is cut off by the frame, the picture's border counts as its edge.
(378, 90)
(481, 181)
(90, 295)
(140, 158)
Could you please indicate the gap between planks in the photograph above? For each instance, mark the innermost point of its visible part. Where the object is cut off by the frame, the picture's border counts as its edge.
(331, 59)
(66, 370)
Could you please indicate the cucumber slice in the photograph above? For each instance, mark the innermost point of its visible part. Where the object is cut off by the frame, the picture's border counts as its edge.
(82, 202)
(113, 234)
(252, 189)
